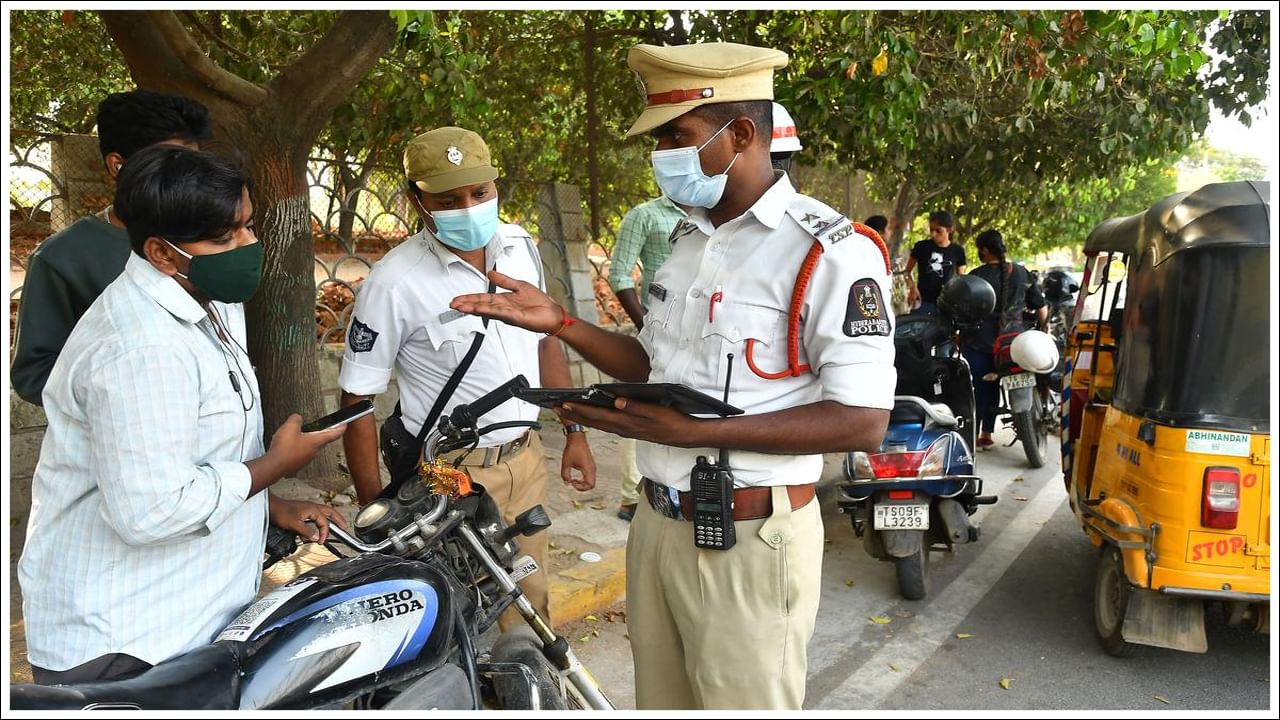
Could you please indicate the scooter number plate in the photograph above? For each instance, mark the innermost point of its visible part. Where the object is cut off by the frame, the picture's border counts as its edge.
(901, 517)
(1020, 380)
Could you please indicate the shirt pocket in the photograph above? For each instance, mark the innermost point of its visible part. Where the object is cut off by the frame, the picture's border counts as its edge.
(453, 339)
(754, 334)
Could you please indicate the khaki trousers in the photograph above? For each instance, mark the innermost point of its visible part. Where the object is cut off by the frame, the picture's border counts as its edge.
(630, 473)
(715, 629)
(516, 486)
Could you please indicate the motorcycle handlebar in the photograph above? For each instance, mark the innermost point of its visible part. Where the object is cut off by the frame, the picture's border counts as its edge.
(467, 414)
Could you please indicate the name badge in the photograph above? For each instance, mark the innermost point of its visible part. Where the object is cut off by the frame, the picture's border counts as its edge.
(658, 291)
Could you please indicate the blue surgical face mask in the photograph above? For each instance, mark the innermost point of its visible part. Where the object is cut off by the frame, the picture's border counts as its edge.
(679, 174)
(468, 228)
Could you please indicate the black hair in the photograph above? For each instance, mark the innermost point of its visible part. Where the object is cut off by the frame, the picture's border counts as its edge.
(130, 121)
(879, 223)
(993, 242)
(760, 112)
(943, 218)
(178, 194)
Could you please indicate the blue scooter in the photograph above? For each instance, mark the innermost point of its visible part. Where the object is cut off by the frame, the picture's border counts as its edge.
(920, 487)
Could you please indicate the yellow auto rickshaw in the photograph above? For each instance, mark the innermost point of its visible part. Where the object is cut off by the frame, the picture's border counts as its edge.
(1166, 416)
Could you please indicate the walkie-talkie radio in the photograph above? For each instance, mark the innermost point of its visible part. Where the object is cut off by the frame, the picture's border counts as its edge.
(712, 485)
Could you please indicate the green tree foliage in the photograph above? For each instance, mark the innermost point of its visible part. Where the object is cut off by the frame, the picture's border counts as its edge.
(61, 66)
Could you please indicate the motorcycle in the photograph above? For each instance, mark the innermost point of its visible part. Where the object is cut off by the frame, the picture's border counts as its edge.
(392, 624)
(919, 488)
(1024, 364)
(1059, 291)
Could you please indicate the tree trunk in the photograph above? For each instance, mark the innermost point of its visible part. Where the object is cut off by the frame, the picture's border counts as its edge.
(593, 123)
(282, 334)
(905, 205)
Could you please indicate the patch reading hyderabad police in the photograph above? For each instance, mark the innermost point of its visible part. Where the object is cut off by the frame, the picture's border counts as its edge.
(865, 314)
(361, 337)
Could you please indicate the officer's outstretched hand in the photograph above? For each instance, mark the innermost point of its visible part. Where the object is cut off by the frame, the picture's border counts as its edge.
(525, 306)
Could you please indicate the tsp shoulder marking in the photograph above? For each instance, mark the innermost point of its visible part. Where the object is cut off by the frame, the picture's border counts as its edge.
(361, 337)
(865, 314)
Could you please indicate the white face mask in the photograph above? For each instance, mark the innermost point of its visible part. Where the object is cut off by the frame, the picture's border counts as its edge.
(679, 175)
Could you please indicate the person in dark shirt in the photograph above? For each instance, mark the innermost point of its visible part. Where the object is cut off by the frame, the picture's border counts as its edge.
(1015, 291)
(71, 268)
(879, 223)
(936, 260)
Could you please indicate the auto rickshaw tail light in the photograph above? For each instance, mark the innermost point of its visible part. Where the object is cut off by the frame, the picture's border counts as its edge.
(1220, 503)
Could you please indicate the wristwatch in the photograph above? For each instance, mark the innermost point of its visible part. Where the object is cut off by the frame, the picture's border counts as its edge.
(573, 428)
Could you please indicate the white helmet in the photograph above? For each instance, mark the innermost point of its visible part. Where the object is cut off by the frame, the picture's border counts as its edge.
(1035, 351)
(785, 138)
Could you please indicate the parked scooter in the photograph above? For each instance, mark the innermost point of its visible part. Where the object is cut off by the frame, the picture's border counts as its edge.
(390, 627)
(1024, 363)
(920, 487)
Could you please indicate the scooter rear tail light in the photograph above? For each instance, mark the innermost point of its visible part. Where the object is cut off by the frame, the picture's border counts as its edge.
(1220, 504)
(896, 464)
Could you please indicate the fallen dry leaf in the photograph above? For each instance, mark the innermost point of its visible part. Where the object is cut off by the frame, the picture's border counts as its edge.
(1005, 682)
(597, 507)
(1161, 698)
(962, 636)
(848, 583)
(576, 503)
(894, 667)
(880, 619)
(591, 618)
(1020, 499)
(1019, 479)
(584, 638)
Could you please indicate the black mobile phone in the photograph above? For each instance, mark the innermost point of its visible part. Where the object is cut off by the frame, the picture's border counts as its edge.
(344, 415)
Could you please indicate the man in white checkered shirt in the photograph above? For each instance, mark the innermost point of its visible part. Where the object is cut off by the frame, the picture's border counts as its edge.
(148, 518)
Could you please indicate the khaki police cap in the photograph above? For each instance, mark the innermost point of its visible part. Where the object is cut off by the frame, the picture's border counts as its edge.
(447, 158)
(677, 79)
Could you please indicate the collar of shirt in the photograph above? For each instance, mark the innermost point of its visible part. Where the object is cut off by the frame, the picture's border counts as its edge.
(503, 247)
(165, 290)
(663, 199)
(769, 209)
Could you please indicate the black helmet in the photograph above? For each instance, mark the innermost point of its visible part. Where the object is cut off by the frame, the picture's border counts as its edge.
(1059, 286)
(967, 299)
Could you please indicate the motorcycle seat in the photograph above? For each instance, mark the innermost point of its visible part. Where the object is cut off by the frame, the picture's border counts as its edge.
(906, 407)
(206, 678)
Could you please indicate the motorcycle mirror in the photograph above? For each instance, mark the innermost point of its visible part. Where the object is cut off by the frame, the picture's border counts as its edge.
(530, 522)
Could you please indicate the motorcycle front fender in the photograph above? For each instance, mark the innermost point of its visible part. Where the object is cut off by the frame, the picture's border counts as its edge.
(901, 543)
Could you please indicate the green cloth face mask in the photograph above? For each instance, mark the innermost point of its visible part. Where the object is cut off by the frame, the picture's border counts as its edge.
(231, 276)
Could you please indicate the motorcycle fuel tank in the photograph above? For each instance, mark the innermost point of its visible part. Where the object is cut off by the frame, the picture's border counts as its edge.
(322, 633)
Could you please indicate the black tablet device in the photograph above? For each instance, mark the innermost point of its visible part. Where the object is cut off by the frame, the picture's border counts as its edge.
(681, 397)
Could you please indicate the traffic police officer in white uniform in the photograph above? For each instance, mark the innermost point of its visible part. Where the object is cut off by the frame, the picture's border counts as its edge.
(402, 320)
(812, 368)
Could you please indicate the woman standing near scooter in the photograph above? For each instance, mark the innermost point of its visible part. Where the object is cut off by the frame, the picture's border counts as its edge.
(1015, 290)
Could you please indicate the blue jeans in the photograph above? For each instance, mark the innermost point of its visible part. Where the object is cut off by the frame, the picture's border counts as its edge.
(986, 395)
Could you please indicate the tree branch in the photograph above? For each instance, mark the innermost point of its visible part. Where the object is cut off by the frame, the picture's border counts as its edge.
(317, 82)
(161, 54)
(194, 19)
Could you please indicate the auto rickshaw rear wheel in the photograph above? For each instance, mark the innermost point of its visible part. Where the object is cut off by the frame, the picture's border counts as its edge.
(1111, 592)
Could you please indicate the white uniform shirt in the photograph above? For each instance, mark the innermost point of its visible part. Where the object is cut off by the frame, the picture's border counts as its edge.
(141, 540)
(402, 320)
(752, 261)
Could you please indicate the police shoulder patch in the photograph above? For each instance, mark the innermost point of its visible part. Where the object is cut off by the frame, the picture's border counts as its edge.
(865, 314)
(361, 337)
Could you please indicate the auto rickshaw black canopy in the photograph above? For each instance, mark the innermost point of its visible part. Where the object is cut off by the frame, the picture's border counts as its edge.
(1230, 214)
(1193, 342)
